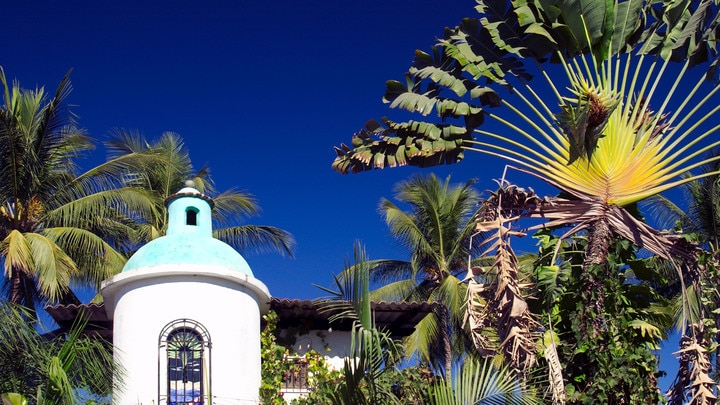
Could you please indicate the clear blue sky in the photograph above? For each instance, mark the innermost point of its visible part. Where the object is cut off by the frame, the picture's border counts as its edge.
(260, 91)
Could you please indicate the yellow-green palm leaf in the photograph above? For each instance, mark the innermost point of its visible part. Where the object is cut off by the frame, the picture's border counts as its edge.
(638, 153)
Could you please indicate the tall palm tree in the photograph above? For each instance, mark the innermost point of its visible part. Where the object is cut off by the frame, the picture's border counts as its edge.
(166, 176)
(435, 231)
(56, 226)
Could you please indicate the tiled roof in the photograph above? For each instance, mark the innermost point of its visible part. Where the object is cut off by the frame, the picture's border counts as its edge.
(399, 318)
(98, 321)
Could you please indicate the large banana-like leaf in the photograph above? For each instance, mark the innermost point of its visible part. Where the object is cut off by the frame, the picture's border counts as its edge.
(602, 28)
(257, 238)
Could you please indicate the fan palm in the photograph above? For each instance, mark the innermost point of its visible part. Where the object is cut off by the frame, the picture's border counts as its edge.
(435, 231)
(620, 129)
(56, 227)
(164, 177)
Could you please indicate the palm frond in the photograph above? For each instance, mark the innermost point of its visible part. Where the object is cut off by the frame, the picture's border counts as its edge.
(385, 271)
(56, 366)
(233, 204)
(693, 384)
(372, 351)
(480, 382)
(95, 257)
(257, 238)
(426, 334)
(557, 385)
(52, 267)
(398, 291)
(506, 307)
(451, 292)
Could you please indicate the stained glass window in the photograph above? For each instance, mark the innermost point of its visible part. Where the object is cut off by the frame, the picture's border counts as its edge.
(185, 345)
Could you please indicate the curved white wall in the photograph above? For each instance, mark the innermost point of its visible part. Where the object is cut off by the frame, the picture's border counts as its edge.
(227, 303)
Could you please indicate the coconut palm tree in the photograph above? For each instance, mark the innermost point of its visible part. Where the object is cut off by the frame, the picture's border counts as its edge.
(435, 231)
(166, 176)
(56, 226)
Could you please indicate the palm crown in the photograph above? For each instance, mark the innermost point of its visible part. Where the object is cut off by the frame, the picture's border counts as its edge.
(168, 172)
(56, 226)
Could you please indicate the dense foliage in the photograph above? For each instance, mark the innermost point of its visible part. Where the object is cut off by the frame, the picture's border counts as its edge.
(601, 99)
(50, 370)
(605, 101)
(615, 363)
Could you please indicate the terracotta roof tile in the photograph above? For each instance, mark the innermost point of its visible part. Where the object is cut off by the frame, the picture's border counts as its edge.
(399, 318)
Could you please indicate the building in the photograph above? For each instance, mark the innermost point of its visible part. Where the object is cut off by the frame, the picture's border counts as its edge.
(302, 327)
(184, 316)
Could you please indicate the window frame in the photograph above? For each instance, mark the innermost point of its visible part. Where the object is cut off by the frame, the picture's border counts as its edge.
(165, 341)
(191, 216)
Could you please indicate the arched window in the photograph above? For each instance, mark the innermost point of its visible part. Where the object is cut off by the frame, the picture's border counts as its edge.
(191, 216)
(184, 362)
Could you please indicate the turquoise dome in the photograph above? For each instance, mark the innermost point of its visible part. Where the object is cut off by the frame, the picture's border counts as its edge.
(188, 249)
(189, 238)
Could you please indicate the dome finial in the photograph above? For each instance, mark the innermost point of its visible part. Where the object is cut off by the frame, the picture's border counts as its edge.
(189, 183)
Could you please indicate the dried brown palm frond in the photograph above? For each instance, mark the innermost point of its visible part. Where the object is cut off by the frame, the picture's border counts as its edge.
(506, 307)
(557, 385)
(693, 385)
(477, 317)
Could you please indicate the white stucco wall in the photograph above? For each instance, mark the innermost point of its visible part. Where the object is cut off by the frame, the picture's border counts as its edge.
(333, 345)
(338, 343)
(227, 303)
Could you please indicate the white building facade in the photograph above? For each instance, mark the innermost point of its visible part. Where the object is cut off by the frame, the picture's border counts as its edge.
(186, 313)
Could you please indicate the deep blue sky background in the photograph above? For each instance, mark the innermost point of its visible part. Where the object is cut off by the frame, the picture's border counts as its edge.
(260, 91)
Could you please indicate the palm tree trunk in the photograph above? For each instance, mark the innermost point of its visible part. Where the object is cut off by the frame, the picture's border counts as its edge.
(594, 274)
(18, 287)
(444, 313)
(23, 290)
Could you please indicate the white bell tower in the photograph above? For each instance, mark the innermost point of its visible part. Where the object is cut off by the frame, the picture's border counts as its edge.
(186, 311)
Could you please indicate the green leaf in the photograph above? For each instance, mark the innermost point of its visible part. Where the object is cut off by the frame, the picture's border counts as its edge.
(646, 329)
